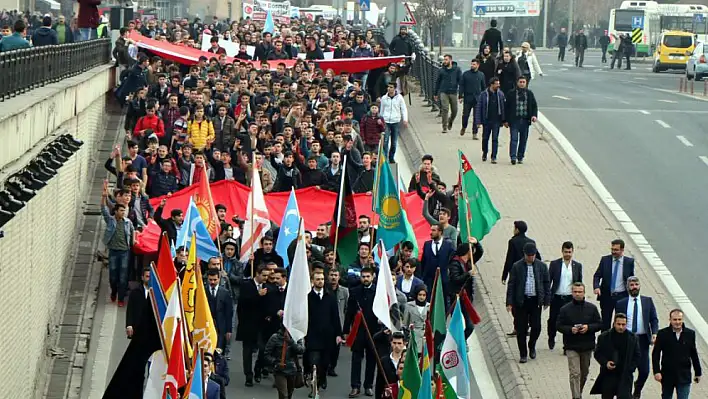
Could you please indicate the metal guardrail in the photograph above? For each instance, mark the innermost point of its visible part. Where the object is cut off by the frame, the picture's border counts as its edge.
(425, 70)
(27, 69)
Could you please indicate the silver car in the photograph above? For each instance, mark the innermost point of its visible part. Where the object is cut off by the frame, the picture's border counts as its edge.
(697, 64)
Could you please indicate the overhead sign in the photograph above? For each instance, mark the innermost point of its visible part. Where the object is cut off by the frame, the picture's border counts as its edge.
(638, 22)
(365, 5)
(507, 8)
(408, 18)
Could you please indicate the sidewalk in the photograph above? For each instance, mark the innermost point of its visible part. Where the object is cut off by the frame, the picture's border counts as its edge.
(548, 193)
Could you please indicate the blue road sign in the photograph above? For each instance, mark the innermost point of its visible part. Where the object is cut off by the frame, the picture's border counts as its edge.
(480, 10)
(638, 22)
(365, 5)
(698, 18)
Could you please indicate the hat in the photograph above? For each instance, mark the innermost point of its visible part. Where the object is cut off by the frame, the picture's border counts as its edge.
(530, 249)
(230, 241)
(153, 136)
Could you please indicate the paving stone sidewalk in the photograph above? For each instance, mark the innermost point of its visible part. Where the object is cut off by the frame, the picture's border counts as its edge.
(548, 193)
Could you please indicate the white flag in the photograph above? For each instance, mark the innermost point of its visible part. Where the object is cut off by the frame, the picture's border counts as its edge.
(385, 296)
(295, 313)
(453, 356)
(156, 377)
(257, 219)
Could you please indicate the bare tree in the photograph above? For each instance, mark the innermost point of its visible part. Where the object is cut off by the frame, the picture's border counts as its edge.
(435, 15)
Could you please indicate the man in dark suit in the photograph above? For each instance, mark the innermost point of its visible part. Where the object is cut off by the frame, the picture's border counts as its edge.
(564, 272)
(390, 363)
(437, 253)
(617, 352)
(407, 282)
(361, 298)
(528, 290)
(514, 252)
(136, 303)
(324, 329)
(213, 389)
(222, 308)
(610, 280)
(275, 301)
(251, 320)
(644, 323)
(674, 352)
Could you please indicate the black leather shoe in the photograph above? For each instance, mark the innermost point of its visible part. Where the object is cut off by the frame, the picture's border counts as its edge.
(532, 353)
(368, 392)
(249, 383)
(551, 343)
(354, 393)
(257, 379)
(332, 373)
(523, 359)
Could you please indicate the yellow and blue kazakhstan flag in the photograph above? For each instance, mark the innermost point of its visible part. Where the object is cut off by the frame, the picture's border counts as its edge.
(426, 389)
(392, 222)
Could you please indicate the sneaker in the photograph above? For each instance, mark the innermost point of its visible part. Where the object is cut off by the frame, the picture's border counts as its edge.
(484, 157)
(444, 131)
(513, 161)
(474, 136)
(523, 359)
(462, 131)
(494, 161)
(249, 383)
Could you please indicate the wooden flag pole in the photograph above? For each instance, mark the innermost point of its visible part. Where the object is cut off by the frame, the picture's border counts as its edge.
(339, 205)
(159, 325)
(373, 345)
(253, 196)
(284, 351)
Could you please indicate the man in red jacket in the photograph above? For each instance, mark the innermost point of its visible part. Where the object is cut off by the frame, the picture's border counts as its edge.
(88, 19)
(150, 121)
(371, 127)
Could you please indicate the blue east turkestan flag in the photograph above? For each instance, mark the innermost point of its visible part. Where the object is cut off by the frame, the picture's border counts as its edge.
(193, 222)
(269, 25)
(288, 228)
(160, 301)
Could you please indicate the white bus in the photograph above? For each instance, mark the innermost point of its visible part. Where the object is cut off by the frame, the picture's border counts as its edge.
(622, 20)
(683, 17)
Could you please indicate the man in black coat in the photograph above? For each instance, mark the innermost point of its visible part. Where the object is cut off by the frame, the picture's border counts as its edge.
(361, 297)
(390, 363)
(324, 329)
(514, 251)
(578, 321)
(171, 225)
(564, 273)
(473, 83)
(251, 320)
(617, 352)
(528, 292)
(222, 308)
(674, 353)
(493, 38)
(522, 111)
(136, 304)
(275, 301)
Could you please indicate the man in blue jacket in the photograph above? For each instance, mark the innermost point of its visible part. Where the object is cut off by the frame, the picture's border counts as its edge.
(446, 86)
(17, 40)
(471, 86)
(45, 35)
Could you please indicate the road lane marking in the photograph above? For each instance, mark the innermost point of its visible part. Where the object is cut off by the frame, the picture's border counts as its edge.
(662, 124)
(669, 101)
(563, 69)
(645, 112)
(562, 98)
(684, 141)
(625, 102)
(640, 78)
(672, 286)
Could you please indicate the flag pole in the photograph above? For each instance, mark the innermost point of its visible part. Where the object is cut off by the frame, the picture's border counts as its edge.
(380, 158)
(159, 325)
(285, 348)
(188, 339)
(339, 205)
(373, 345)
(468, 218)
(252, 202)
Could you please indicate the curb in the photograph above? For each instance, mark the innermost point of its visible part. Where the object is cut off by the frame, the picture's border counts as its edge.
(492, 334)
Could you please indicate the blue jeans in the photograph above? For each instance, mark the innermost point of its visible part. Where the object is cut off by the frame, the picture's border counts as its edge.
(87, 34)
(490, 129)
(519, 137)
(391, 134)
(682, 391)
(118, 272)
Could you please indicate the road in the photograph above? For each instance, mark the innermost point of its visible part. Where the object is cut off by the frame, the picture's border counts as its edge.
(646, 143)
(108, 342)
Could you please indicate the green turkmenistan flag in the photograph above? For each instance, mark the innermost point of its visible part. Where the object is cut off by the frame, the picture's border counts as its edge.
(437, 308)
(448, 390)
(410, 378)
(477, 213)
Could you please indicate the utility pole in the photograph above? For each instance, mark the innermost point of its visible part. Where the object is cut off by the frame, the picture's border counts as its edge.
(570, 18)
(545, 23)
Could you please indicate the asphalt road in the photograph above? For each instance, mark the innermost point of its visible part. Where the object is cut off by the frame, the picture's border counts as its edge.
(647, 144)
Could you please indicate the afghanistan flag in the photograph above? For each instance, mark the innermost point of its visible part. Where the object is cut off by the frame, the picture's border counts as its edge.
(476, 211)
(343, 233)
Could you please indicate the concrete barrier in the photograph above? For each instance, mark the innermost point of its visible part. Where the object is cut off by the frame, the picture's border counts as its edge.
(40, 241)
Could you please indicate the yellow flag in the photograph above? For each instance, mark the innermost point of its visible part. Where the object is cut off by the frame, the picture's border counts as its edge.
(204, 333)
(190, 284)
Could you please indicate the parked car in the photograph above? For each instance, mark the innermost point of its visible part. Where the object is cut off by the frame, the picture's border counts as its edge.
(696, 65)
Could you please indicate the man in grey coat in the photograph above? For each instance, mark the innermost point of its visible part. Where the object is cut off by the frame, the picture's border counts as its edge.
(341, 294)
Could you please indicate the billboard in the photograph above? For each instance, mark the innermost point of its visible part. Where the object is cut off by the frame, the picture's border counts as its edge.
(257, 10)
(507, 8)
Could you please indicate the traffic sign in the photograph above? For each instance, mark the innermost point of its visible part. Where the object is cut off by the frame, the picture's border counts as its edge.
(365, 5)
(408, 18)
(637, 35)
(698, 18)
(638, 22)
(480, 10)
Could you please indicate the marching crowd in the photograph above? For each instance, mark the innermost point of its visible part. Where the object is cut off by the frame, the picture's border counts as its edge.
(304, 127)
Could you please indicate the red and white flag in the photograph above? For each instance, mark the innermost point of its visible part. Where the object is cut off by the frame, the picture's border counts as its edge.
(257, 219)
(385, 296)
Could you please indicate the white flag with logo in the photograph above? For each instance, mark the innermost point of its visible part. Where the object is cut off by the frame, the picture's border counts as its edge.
(453, 356)
(257, 219)
(385, 296)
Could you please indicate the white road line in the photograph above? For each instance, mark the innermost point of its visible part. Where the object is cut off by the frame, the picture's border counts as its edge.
(704, 159)
(563, 69)
(645, 112)
(562, 98)
(663, 124)
(672, 286)
(640, 78)
(669, 101)
(477, 361)
(625, 102)
(685, 141)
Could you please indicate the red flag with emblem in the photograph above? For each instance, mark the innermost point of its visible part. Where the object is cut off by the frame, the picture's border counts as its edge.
(206, 206)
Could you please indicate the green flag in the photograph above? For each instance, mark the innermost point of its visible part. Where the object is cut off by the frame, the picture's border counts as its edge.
(448, 390)
(392, 222)
(410, 378)
(477, 213)
(437, 308)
